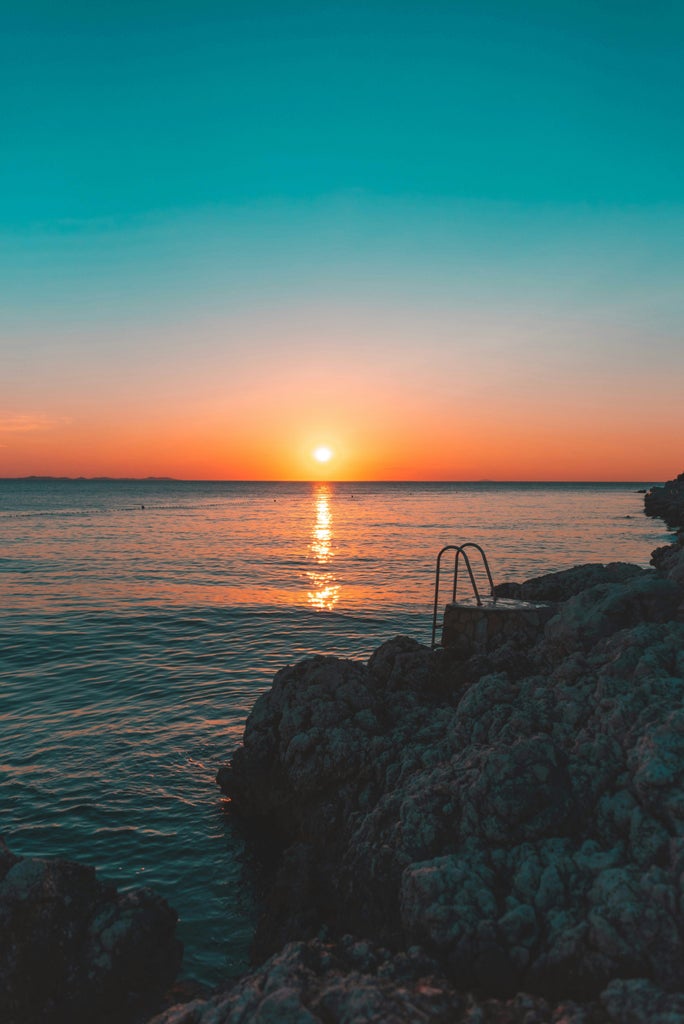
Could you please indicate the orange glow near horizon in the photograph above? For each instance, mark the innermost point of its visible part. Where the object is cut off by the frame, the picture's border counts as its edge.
(400, 418)
(443, 446)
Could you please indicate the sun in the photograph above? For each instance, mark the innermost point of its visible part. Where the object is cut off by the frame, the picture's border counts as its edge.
(322, 454)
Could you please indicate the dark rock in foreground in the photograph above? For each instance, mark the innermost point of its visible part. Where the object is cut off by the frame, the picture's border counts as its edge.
(518, 816)
(667, 502)
(317, 983)
(73, 949)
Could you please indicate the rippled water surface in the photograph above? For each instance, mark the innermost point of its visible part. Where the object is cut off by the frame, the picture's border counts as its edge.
(139, 621)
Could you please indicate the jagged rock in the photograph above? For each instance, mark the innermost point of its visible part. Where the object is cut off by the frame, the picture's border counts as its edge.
(667, 502)
(72, 948)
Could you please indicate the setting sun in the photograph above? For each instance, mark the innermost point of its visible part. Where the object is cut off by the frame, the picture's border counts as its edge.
(322, 454)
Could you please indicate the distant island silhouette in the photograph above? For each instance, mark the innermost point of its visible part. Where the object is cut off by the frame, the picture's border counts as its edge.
(99, 479)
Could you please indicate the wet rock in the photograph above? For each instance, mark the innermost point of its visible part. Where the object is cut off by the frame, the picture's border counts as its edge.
(73, 948)
(7, 859)
(306, 735)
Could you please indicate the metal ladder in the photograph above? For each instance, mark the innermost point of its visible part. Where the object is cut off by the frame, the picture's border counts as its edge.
(460, 550)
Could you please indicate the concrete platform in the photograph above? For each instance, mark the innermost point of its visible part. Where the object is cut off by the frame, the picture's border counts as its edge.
(474, 627)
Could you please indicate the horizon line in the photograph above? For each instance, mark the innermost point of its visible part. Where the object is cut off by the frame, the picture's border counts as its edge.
(263, 480)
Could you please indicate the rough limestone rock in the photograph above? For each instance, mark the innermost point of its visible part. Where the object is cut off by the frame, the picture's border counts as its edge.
(637, 1001)
(559, 586)
(667, 502)
(669, 560)
(521, 822)
(603, 610)
(73, 949)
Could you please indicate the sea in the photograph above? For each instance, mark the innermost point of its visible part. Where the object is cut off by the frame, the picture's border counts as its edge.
(140, 621)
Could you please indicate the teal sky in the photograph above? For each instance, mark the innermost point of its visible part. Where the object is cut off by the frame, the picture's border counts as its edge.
(464, 184)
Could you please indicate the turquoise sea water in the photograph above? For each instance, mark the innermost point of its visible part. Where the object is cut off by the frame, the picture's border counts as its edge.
(139, 621)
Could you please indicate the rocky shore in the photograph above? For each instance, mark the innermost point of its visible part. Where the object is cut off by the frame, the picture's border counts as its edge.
(490, 836)
(497, 836)
(667, 503)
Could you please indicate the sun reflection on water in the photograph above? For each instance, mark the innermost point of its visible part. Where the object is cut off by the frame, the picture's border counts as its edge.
(325, 592)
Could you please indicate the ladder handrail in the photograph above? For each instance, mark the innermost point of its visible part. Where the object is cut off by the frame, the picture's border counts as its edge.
(459, 549)
(472, 544)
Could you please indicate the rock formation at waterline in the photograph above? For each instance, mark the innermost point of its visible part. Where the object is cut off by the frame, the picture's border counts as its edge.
(507, 822)
(503, 812)
(73, 949)
(667, 502)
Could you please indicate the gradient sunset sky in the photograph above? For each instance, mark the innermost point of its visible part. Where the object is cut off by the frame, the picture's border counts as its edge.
(443, 239)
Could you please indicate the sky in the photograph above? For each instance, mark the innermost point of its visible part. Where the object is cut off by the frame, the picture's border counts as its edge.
(443, 239)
